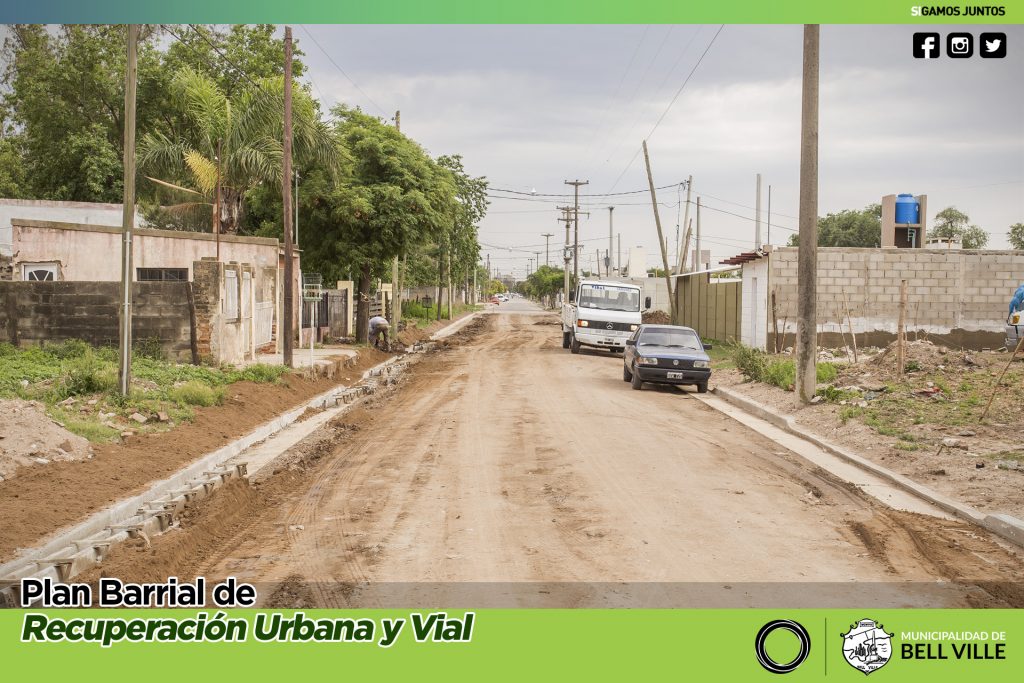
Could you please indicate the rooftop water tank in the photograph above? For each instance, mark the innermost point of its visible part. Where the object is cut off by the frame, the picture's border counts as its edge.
(908, 210)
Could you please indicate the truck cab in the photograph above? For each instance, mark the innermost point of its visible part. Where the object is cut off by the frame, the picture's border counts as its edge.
(601, 314)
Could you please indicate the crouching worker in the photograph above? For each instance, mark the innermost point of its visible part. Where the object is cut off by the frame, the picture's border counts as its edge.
(379, 331)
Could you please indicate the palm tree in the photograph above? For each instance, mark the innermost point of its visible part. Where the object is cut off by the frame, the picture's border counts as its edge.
(233, 144)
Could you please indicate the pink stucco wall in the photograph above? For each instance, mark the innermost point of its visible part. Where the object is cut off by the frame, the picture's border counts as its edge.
(93, 253)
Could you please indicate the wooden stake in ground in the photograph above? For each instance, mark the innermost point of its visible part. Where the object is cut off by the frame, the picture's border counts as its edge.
(901, 332)
(849, 321)
(1020, 345)
(661, 240)
(775, 321)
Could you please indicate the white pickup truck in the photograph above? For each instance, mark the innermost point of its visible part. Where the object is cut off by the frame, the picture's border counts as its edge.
(601, 314)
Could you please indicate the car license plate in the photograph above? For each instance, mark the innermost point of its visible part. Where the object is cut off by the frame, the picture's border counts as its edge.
(675, 375)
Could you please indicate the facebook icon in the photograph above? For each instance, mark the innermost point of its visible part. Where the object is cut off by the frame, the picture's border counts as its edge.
(926, 45)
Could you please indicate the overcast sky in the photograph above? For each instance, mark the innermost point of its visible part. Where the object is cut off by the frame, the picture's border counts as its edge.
(532, 106)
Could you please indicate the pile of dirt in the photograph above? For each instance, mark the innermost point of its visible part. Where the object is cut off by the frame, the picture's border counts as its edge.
(656, 318)
(41, 500)
(28, 437)
(923, 355)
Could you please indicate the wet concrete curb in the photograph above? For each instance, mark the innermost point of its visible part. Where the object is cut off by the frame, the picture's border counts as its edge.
(1005, 526)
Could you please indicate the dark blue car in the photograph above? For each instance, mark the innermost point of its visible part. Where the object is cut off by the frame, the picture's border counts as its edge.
(666, 354)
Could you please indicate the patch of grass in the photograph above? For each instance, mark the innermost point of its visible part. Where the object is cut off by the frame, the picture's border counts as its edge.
(262, 373)
(195, 393)
(848, 413)
(84, 427)
(905, 446)
(758, 366)
(87, 374)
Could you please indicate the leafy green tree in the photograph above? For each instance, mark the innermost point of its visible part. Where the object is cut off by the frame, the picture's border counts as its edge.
(395, 198)
(848, 228)
(233, 143)
(544, 284)
(1016, 235)
(951, 223)
(65, 95)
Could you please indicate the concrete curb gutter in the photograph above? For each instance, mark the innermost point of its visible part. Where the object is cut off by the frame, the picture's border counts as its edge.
(152, 512)
(1005, 526)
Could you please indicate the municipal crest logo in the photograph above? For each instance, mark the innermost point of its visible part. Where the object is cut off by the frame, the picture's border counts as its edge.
(866, 646)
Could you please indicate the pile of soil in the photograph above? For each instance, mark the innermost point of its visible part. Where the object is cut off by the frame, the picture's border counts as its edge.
(923, 355)
(656, 318)
(28, 437)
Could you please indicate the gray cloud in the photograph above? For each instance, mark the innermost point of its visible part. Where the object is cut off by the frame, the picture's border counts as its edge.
(530, 106)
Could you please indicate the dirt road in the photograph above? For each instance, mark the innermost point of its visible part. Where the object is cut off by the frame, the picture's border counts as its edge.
(505, 470)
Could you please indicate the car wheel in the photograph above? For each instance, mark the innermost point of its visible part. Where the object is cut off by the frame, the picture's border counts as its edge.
(702, 388)
(626, 374)
(566, 337)
(574, 346)
(636, 382)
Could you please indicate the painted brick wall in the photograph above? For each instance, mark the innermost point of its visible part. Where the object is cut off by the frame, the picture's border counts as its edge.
(957, 296)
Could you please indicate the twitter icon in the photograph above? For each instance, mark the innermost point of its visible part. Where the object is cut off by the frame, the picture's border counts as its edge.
(993, 45)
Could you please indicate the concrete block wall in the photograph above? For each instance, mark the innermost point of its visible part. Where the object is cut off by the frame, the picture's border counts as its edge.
(959, 297)
(218, 338)
(37, 312)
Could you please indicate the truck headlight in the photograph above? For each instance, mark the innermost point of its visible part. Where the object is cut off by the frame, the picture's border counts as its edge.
(701, 364)
(583, 323)
(633, 328)
(1016, 318)
(647, 361)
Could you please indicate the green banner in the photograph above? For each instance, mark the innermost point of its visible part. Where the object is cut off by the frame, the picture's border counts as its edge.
(520, 11)
(727, 645)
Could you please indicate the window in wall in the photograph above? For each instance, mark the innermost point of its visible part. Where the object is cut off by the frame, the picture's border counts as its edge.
(39, 272)
(231, 294)
(161, 274)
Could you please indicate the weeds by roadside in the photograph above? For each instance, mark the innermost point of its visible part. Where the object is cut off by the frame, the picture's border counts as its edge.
(424, 315)
(758, 366)
(77, 384)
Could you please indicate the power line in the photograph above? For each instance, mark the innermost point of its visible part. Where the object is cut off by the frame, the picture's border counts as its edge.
(670, 104)
(593, 194)
(343, 72)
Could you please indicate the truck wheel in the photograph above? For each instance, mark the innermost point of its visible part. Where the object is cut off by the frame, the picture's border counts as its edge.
(565, 340)
(574, 346)
(626, 374)
(702, 388)
(636, 382)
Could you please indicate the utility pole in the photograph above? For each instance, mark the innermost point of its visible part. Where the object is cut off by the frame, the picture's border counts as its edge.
(698, 262)
(286, 197)
(686, 221)
(396, 299)
(661, 237)
(757, 216)
(547, 247)
(576, 228)
(566, 210)
(768, 223)
(124, 373)
(610, 238)
(807, 255)
(618, 257)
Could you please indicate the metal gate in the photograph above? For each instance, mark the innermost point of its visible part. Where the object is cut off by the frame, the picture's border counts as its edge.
(246, 312)
(337, 313)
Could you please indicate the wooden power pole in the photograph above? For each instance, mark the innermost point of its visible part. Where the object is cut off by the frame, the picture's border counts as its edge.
(576, 229)
(286, 196)
(661, 238)
(807, 258)
(124, 373)
(686, 221)
(396, 295)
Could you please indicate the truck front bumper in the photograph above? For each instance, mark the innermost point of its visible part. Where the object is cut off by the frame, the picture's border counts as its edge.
(589, 336)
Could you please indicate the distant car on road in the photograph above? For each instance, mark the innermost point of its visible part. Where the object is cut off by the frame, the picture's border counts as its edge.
(495, 299)
(666, 354)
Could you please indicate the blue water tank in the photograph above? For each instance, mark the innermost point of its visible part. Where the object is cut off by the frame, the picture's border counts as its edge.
(908, 209)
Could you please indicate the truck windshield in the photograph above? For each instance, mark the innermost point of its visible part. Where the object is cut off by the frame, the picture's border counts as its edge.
(684, 339)
(609, 298)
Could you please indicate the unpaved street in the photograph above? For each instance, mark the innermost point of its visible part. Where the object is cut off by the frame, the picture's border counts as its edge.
(505, 468)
